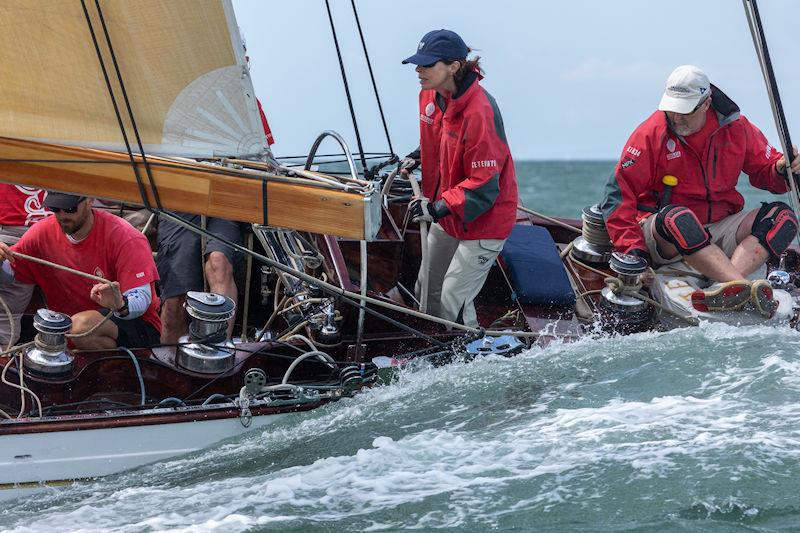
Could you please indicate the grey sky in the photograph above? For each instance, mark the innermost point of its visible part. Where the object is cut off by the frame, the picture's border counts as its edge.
(572, 78)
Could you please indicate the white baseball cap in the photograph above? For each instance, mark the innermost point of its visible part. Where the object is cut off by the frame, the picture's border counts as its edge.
(686, 87)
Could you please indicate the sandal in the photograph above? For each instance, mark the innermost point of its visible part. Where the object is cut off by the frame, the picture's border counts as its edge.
(725, 296)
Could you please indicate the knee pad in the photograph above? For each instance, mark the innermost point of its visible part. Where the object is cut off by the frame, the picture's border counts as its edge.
(680, 227)
(775, 232)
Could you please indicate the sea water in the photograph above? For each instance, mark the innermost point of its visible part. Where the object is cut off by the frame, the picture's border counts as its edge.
(689, 430)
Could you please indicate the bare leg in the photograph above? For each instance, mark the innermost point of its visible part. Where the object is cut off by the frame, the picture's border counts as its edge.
(174, 323)
(711, 261)
(750, 255)
(103, 338)
(219, 273)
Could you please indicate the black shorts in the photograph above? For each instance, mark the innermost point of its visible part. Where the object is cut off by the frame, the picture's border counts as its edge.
(179, 263)
(134, 333)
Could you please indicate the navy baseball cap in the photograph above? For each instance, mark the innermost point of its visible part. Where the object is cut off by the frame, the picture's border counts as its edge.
(61, 200)
(438, 45)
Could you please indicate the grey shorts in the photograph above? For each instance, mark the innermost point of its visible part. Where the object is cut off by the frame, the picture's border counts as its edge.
(179, 263)
(723, 234)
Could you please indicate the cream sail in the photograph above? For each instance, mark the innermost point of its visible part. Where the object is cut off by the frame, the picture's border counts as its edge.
(182, 63)
(184, 73)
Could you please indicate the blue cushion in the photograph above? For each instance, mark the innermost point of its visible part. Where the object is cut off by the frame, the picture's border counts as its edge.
(537, 273)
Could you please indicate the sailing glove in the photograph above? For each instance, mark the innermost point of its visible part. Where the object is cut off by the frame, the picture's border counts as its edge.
(410, 162)
(422, 210)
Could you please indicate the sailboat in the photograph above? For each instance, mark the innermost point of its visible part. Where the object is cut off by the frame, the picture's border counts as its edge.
(150, 102)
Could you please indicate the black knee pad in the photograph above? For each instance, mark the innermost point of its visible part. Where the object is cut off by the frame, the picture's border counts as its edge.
(775, 232)
(679, 226)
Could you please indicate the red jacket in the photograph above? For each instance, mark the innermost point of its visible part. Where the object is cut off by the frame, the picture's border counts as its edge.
(466, 161)
(706, 181)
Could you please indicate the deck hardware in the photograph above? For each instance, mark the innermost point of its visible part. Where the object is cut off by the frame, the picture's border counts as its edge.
(49, 355)
(205, 349)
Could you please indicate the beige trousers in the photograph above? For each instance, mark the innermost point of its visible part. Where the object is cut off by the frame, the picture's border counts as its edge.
(16, 295)
(458, 270)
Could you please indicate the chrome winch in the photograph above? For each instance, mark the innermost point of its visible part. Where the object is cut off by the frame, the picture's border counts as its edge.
(49, 355)
(620, 309)
(205, 349)
(594, 245)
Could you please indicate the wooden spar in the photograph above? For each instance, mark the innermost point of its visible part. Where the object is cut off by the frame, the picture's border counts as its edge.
(190, 187)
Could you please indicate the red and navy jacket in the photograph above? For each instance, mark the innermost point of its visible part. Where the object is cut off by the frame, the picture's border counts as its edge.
(467, 163)
(706, 181)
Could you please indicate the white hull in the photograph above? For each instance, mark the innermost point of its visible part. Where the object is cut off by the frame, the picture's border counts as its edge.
(33, 461)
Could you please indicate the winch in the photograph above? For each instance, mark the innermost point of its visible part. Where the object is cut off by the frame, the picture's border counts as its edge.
(621, 311)
(594, 245)
(49, 354)
(205, 349)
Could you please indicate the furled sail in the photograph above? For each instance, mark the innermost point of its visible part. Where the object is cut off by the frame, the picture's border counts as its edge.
(185, 80)
(181, 61)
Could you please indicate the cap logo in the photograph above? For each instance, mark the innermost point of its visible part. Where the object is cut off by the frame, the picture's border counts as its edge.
(679, 89)
(429, 109)
(421, 45)
(702, 90)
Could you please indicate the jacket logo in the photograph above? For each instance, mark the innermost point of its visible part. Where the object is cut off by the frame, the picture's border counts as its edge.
(426, 120)
(628, 162)
(429, 109)
(485, 163)
(633, 151)
(671, 146)
(768, 151)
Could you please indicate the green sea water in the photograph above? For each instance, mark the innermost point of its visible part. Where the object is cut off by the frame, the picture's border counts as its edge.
(689, 430)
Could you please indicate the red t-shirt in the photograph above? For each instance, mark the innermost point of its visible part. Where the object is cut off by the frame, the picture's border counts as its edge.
(114, 250)
(20, 205)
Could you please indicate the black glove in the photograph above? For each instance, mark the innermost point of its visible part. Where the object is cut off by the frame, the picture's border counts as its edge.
(408, 165)
(410, 162)
(422, 210)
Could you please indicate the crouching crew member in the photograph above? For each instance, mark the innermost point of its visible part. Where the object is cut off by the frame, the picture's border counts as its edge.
(699, 137)
(99, 243)
(468, 180)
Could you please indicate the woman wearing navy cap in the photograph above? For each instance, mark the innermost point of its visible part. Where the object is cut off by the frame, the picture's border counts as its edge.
(468, 183)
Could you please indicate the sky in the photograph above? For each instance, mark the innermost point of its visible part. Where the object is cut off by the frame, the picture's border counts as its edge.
(572, 79)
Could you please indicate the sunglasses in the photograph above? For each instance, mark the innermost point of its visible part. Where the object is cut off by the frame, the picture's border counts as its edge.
(67, 210)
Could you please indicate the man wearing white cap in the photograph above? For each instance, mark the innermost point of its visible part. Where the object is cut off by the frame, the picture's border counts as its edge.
(673, 195)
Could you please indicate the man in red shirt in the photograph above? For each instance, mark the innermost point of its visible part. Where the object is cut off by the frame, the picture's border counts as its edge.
(673, 194)
(99, 243)
(20, 208)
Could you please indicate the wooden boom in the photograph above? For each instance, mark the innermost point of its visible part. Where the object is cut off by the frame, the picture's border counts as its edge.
(191, 187)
